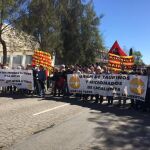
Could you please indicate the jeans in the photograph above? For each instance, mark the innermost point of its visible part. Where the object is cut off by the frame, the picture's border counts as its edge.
(41, 88)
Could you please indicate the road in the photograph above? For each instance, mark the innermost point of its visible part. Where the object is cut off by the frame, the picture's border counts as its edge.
(70, 124)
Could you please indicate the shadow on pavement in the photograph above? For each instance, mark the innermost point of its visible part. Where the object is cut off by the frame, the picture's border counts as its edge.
(121, 129)
(117, 128)
(17, 95)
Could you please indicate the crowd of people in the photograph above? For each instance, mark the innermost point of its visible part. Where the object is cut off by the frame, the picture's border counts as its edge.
(59, 80)
(39, 80)
(57, 83)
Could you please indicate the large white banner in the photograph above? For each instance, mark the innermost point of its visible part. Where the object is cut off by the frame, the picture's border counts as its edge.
(22, 79)
(132, 86)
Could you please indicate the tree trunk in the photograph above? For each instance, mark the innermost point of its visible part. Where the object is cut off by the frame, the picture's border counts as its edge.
(1, 39)
(4, 50)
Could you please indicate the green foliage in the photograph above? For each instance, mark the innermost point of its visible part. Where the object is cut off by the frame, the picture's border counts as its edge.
(10, 11)
(91, 38)
(70, 30)
(68, 27)
(80, 32)
(43, 23)
(138, 57)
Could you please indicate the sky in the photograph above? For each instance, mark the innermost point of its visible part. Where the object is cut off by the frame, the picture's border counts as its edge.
(128, 22)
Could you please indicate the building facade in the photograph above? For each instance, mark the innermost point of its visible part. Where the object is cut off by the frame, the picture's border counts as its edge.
(20, 48)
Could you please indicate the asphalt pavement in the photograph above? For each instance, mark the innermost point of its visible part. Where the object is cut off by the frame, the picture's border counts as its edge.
(70, 124)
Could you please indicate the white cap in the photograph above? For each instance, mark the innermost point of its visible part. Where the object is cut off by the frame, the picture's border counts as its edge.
(98, 67)
(63, 66)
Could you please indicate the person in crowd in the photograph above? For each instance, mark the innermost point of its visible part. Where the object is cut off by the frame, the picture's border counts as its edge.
(59, 80)
(92, 70)
(27, 91)
(133, 72)
(139, 71)
(97, 96)
(109, 98)
(77, 70)
(98, 70)
(29, 67)
(72, 68)
(49, 77)
(35, 82)
(21, 91)
(137, 104)
(86, 70)
(62, 79)
(144, 72)
(54, 78)
(1, 66)
(8, 88)
(20, 67)
(41, 78)
(146, 103)
(122, 72)
(68, 71)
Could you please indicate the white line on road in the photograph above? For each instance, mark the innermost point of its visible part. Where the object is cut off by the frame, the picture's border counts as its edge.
(49, 109)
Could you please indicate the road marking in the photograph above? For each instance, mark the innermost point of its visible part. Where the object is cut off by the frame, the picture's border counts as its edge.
(47, 110)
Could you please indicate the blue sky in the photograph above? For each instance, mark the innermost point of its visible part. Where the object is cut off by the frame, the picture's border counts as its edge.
(128, 22)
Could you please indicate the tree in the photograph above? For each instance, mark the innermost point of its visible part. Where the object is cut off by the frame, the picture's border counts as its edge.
(91, 37)
(10, 11)
(130, 52)
(68, 27)
(43, 23)
(71, 12)
(80, 32)
(137, 57)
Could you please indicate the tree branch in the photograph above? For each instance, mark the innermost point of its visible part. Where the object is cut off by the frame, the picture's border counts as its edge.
(5, 27)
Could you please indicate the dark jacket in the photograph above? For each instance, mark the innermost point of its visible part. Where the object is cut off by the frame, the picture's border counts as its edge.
(41, 75)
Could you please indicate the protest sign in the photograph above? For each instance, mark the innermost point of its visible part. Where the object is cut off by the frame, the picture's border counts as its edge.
(131, 86)
(116, 62)
(42, 58)
(22, 79)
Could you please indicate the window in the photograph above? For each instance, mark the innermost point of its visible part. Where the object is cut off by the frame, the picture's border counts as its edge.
(8, 59)
(28, 59)
(17, 60)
